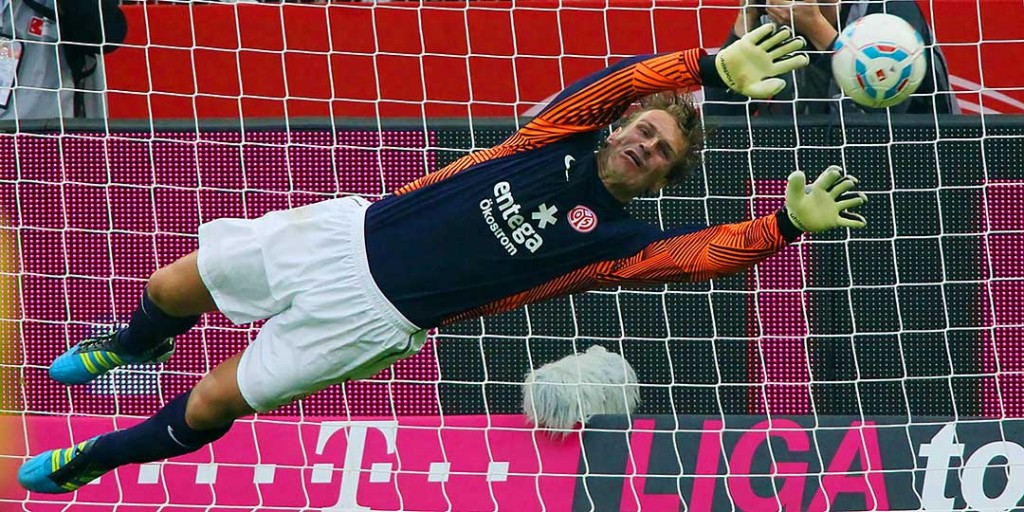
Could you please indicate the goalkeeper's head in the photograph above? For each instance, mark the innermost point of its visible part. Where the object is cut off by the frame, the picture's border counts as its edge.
(657, 145)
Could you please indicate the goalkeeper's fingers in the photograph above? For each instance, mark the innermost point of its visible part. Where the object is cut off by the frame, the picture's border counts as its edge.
(845, 185)
(829, 177)
(792, 63)
(852, 220)
(776, 39)
(793, 45)
(857, 201)
(755, 36)
(765, 88)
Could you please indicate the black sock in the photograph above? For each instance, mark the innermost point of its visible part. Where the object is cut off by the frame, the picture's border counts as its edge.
(162, 436)
(149, 326)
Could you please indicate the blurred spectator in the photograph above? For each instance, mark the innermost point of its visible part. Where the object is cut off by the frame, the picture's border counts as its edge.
(818, 21)
(43, 72)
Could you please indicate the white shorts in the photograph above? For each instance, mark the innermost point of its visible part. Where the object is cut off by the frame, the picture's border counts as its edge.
(306, 270)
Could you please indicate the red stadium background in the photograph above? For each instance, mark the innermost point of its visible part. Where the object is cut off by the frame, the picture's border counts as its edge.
(409, 59)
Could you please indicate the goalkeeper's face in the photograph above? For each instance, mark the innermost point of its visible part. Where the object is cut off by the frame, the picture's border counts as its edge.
(637, 158)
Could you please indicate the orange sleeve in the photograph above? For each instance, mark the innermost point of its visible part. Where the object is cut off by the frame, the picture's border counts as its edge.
(610, 92)
(703, 255)
(503, 149)
(593, 103)
(698, 256)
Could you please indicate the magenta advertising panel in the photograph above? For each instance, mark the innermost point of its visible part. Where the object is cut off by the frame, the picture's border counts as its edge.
(496, 462)
(357, 463)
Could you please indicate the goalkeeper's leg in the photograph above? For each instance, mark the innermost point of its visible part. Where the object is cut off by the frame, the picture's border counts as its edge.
(170, 305)
(187, 423)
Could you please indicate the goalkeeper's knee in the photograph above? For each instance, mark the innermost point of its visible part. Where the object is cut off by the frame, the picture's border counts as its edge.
(216, 400)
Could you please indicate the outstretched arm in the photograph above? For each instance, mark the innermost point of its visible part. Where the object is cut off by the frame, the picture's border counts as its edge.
(711, 252)
(690, 256)
(731, 248)
(594, 102)
(589, 104)
(599, 99)
(706, 254)
(748, 67)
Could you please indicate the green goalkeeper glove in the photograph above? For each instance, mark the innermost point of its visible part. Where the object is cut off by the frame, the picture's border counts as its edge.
(749, 66)
(821, 206)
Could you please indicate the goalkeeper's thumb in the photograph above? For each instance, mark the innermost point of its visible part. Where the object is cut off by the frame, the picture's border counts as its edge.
(766, 88)
(826, 203)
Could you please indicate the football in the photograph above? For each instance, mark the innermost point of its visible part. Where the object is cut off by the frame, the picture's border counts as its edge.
(879, 60)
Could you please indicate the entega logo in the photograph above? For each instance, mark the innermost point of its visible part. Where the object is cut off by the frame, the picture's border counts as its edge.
(523, 233)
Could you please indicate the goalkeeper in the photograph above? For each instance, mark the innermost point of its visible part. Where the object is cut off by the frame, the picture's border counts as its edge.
(350, 287)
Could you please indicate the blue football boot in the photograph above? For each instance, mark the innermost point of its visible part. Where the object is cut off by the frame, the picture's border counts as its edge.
(100, 354)
(58, 471)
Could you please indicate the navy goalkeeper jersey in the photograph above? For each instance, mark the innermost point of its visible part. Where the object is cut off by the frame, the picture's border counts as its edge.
(530, 219)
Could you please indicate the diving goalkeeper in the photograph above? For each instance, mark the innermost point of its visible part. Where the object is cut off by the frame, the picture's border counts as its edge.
(350, 287)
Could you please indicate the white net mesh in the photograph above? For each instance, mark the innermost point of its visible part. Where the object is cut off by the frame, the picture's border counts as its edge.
(843, 340)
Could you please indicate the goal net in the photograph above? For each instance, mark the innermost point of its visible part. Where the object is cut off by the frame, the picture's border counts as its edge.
(876, 369)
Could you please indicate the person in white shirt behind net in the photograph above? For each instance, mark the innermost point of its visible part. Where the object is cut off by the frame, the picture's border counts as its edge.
(51, 63)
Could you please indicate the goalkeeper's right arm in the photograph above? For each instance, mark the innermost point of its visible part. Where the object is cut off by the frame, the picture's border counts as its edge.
(730, 248)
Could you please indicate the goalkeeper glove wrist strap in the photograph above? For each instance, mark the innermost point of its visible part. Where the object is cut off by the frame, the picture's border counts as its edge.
(788, 225)
(709, 76)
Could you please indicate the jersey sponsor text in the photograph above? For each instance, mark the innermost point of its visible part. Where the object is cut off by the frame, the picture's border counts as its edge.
(523, 233)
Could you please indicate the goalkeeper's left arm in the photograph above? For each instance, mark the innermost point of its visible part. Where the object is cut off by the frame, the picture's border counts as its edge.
(730, 248)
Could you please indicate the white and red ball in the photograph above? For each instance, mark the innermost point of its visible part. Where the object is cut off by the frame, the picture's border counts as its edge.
(879, 60)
